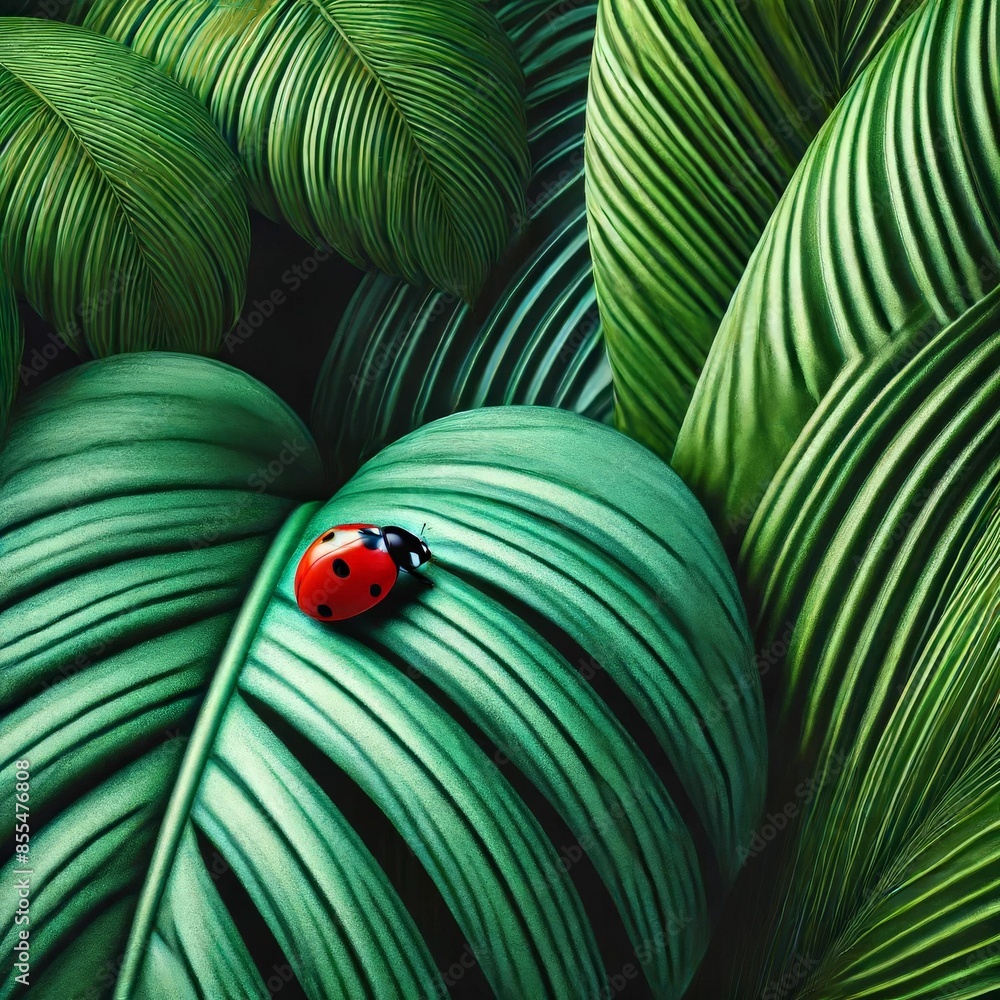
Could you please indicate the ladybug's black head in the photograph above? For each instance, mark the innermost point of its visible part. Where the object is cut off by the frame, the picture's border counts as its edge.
(407, 551)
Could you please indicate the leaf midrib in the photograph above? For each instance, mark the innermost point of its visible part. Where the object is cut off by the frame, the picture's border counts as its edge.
(384, 89)
(101, 173)
(188, 778)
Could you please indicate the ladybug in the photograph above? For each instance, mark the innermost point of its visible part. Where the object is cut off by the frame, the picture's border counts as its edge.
(352, 567)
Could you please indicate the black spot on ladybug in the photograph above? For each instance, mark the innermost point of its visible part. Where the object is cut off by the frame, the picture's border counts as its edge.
(340, 568)
(374, 590)
(329, 535)
(324, 610)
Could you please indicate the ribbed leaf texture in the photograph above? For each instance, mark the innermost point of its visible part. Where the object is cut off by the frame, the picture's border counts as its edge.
(402, 356)
(179, 481)
(393, 130)
(699, 112)
(877, 559)
(123, 215)
(890, 230)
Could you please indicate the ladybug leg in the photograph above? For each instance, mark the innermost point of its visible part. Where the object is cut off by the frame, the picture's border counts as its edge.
(426, 581)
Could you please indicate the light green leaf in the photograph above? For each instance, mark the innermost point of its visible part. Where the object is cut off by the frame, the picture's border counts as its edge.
(890, 229)
(699, 111)
(538, 557)
(123, 213)
(402, 356)
(11, 348)
(919, 417)
(392, 131)
(880, 547)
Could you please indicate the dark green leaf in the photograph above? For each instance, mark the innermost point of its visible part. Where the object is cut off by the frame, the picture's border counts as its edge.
(392, 131)
(123, 213)
(402, 356)
(538, 554)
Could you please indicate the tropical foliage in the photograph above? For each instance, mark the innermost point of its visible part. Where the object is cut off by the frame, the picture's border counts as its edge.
(891, 679)
(404, 355)
(870, 266)
(122, 212)
(393, 132)
(786, 237)
(699, 112)
(177, 593)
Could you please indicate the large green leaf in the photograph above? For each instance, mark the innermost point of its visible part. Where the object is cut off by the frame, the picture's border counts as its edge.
(123, 213)
(402, 356)
(11, 346)
(699, 111)
(880, 552)
(890, 229)
(539, 557)
(393, 131)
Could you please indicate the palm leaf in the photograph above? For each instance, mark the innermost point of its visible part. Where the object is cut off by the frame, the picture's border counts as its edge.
(123, 213)
(177, 591)
(535, 336)
(11, 346)
(699, 111)
(846, 264)
(393, 132)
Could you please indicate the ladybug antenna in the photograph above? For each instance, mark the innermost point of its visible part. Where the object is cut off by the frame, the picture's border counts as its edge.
(424, 540)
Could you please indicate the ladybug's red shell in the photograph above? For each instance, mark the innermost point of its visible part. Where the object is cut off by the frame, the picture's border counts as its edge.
(346, 571)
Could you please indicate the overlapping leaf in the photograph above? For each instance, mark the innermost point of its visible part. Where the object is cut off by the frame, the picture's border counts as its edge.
(912, 824)
(889, 469)
(392, 131)
(699, 112)
(537, 555)
(881, 547)
(402, 356)
(124, 219)
(11, 346)
(889, 229)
